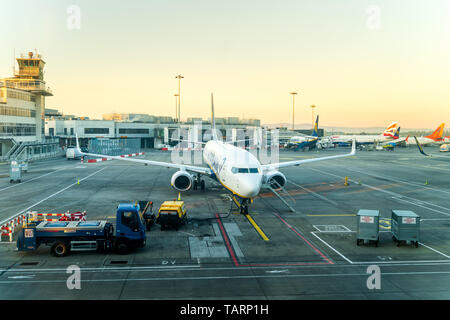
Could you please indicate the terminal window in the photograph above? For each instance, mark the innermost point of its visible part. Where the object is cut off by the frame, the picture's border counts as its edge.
(96, 130)
(133, 131)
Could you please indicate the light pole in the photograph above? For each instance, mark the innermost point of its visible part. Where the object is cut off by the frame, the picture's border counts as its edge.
(312, 109)
(293, 107)
(176, 107)
(179, 77)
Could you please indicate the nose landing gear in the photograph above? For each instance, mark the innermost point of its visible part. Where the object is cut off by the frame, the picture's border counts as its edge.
(244, 207)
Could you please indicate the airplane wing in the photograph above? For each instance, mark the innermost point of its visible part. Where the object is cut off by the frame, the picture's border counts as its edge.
(396, 142)
(275, 166)
(427, 155)
(201, 170)
(420, 147)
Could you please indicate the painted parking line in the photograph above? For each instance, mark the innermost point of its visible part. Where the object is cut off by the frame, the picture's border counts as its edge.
(297, 232)
(235, 259)
(26, 181)
(314, 233)
(257, 228)
(398, 197)
(51, 196)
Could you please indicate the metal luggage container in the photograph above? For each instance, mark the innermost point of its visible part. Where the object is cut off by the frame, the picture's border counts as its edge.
(405, 227)
(368, 226)
(15, 172)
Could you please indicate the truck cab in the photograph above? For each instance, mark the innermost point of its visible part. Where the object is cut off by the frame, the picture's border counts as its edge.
(130, 229)
(171, 214)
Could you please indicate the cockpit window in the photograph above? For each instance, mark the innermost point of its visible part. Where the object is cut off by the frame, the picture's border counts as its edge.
(244, 170)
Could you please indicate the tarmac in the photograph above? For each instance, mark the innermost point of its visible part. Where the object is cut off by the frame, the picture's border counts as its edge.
(271, 254)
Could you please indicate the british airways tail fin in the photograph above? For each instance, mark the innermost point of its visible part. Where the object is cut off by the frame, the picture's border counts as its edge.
(315, 132)
(397, 133)
(390, 130)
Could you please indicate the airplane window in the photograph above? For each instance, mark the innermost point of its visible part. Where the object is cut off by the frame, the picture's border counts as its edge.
(234, 170)
(253, 170)
(243, 170)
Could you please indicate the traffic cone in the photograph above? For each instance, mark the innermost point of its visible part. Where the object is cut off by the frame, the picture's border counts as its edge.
(346, 181)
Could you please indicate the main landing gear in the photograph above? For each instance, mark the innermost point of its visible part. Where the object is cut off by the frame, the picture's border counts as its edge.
(198, 182)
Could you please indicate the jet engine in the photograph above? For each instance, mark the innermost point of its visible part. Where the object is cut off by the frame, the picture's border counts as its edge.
(182, 180)
(275, 179)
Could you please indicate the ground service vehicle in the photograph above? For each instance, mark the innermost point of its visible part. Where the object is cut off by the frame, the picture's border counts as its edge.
(171, 214)
(66, 236)
(72, 153)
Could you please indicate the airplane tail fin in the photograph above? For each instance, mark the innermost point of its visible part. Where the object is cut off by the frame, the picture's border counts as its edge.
(315, 132)
(391, 130)
(437, 134)
(213, 120)
(397, 133)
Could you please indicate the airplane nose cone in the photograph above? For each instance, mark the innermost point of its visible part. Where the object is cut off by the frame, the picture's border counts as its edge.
(250, 186)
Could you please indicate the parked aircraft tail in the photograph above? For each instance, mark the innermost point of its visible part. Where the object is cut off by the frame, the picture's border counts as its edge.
(391, 130)
(315, 132)
(437, 134)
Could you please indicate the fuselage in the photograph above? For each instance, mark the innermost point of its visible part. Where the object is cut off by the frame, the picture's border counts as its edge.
(423, 141)
(235, 168)
(362, 138)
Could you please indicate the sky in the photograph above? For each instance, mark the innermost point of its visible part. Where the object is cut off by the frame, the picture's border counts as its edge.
(362, 63)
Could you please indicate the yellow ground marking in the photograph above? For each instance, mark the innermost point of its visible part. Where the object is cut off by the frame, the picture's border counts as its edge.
(257, 228)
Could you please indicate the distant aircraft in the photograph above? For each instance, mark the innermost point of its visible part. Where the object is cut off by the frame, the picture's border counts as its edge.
(303, 141)
(391, 133)
(236, 169)
(419, 145)
(434, 138)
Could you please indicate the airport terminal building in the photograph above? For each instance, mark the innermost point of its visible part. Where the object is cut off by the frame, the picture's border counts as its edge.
(152, 134)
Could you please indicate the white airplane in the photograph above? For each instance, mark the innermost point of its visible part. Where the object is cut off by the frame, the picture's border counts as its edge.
(434, 138)
(236, 169)
(390, 134)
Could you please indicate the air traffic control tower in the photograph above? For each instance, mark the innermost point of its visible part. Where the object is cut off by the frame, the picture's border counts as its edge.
(29, 80)
(22, 109)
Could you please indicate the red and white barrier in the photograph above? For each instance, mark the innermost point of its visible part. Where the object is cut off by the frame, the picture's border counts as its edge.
(12, 226)
(67, 216)
(108, 158)
(8, 228)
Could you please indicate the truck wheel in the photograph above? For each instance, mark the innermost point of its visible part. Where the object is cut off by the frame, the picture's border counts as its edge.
(122, 247)
(60, 249)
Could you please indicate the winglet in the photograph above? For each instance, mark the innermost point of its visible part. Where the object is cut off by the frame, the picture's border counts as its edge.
(353, 147)
(78, 144)
(213, 119)
(420, 147)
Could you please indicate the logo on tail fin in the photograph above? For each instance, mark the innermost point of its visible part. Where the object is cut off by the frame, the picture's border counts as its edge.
(437, 134)
(397, 133)
(315, 132)
(391, 130)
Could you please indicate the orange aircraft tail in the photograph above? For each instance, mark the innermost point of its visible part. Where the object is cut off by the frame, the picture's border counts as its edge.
(437, 134)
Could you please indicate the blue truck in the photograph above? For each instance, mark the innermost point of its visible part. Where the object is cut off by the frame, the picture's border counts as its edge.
(67, 236)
